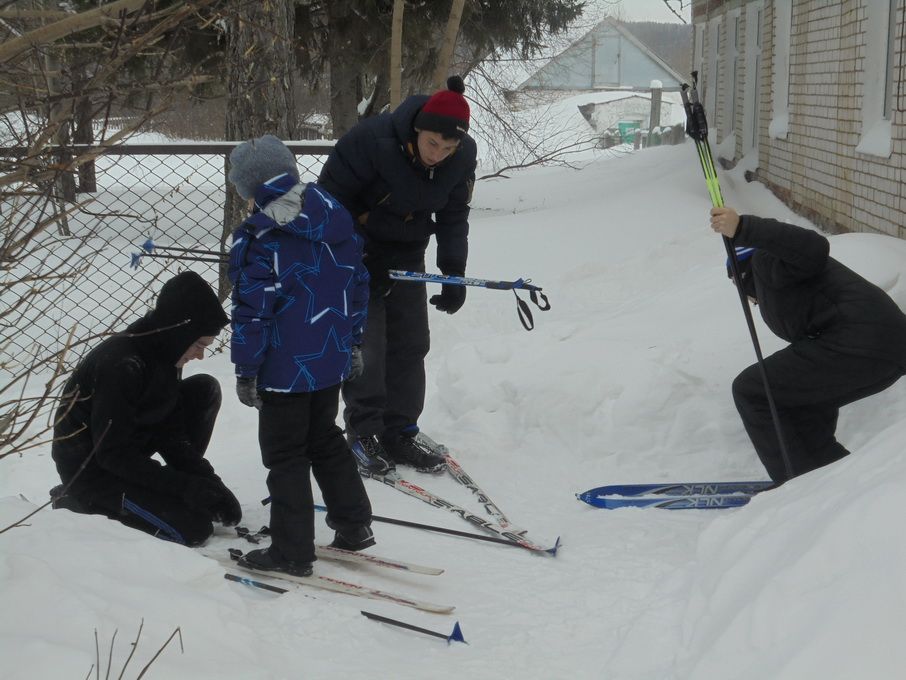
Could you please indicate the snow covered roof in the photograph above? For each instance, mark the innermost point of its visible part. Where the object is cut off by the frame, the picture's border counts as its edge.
(607, 56)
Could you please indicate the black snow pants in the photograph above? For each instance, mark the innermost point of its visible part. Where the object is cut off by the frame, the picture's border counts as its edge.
(299, 437)
(809, 383)
(390, 393)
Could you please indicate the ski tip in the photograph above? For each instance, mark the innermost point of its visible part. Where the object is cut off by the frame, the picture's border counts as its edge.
(456, 635)
(553, 551)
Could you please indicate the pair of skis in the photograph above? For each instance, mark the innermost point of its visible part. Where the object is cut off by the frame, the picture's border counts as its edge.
(261, 578)
(501, 526)
(680, 496)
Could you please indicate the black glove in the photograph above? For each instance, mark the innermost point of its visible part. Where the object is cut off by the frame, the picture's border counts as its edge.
(356, 363)
(247, 391)
(451, 298)
(204, 493)
(227, 511)
(379, 283)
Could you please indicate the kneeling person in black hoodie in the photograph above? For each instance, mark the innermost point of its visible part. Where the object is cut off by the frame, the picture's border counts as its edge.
(126, 401)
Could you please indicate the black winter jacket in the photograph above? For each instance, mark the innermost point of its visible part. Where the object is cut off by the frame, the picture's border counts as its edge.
(372, 169)
(804, 293)
(131, 381)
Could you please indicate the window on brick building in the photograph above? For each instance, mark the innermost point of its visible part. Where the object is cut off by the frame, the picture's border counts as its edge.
(780, 84)
(712, 78)
(752, 78)
(889, 72)
(698, 57)
(732, 70)
(878, 38)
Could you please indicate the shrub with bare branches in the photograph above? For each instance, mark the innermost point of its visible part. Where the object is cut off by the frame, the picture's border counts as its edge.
(41, 259)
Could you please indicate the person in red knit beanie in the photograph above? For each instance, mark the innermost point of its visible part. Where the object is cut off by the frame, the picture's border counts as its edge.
(404, 175)
(446, 112)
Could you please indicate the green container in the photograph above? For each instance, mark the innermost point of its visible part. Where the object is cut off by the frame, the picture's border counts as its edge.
(628, 129)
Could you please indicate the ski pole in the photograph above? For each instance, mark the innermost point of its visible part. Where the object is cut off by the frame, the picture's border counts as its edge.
(455, 636)
(697, 129)
(254, 584)
(525, 315)
(429, 527)
(151, 249)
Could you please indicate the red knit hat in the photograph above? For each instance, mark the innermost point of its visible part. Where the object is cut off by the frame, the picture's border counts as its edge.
(446, 112)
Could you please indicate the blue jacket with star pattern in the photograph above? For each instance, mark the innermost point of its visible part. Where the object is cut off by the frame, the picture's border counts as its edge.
(300, 291)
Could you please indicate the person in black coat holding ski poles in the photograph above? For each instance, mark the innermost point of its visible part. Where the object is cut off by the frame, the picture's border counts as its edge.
(847, 340)
(404, 176)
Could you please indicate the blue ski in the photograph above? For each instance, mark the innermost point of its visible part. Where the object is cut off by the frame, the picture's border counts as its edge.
(679, 496)
(671, 502)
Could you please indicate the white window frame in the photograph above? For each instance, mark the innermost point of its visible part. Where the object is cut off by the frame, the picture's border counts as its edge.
(712, 78)
(752, 83)
(732, 69)
(698, 56)
(875, 138)
(890, 73)
(779, 127)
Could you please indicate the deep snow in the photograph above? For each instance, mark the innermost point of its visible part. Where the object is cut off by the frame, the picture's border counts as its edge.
(626, 379)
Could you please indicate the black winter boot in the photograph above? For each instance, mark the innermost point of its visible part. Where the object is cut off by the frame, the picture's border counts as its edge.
(370, 456)
(67, 502)
(265, 559)
(358, 538)
(403, 450)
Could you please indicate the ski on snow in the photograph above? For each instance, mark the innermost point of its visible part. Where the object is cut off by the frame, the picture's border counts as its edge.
(338, 555)
(326, 583)
(460, 475)
(397, 482)
(676, 496)
(326, 552)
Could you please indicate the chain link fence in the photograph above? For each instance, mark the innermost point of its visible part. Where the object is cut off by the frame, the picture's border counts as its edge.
(173, 194)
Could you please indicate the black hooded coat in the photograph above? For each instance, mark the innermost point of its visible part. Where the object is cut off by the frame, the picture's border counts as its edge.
(122, 398)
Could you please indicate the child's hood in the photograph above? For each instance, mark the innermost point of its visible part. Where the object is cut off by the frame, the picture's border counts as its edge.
(306, 211)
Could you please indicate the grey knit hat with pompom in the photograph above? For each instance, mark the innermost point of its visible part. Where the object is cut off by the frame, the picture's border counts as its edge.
(254, 162)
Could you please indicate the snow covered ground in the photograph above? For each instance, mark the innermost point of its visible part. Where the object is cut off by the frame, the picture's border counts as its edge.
(626, 379)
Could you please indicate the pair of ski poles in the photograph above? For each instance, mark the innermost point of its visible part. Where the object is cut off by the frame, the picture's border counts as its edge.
(697, 129)
(539, 299)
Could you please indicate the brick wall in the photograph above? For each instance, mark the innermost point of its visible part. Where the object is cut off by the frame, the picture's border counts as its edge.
(816, 169)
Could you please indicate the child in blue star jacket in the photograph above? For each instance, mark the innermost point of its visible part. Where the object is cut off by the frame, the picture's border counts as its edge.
(300, 297)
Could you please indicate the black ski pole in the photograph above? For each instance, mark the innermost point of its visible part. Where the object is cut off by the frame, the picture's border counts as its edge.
(455, 636)
(151, 249)
(428, 527)
(697, 128)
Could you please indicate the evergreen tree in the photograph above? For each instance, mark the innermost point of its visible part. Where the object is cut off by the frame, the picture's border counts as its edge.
(351, 41)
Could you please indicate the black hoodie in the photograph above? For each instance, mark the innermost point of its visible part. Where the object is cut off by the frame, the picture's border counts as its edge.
(131, 381)
(804, 293)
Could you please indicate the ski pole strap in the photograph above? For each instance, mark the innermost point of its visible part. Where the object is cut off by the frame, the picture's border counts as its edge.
(522, 309)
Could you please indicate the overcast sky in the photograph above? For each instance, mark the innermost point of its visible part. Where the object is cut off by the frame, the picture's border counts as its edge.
(646, 10)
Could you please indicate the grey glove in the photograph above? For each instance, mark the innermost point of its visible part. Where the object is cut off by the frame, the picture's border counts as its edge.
(247, 391)
(356, 362)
